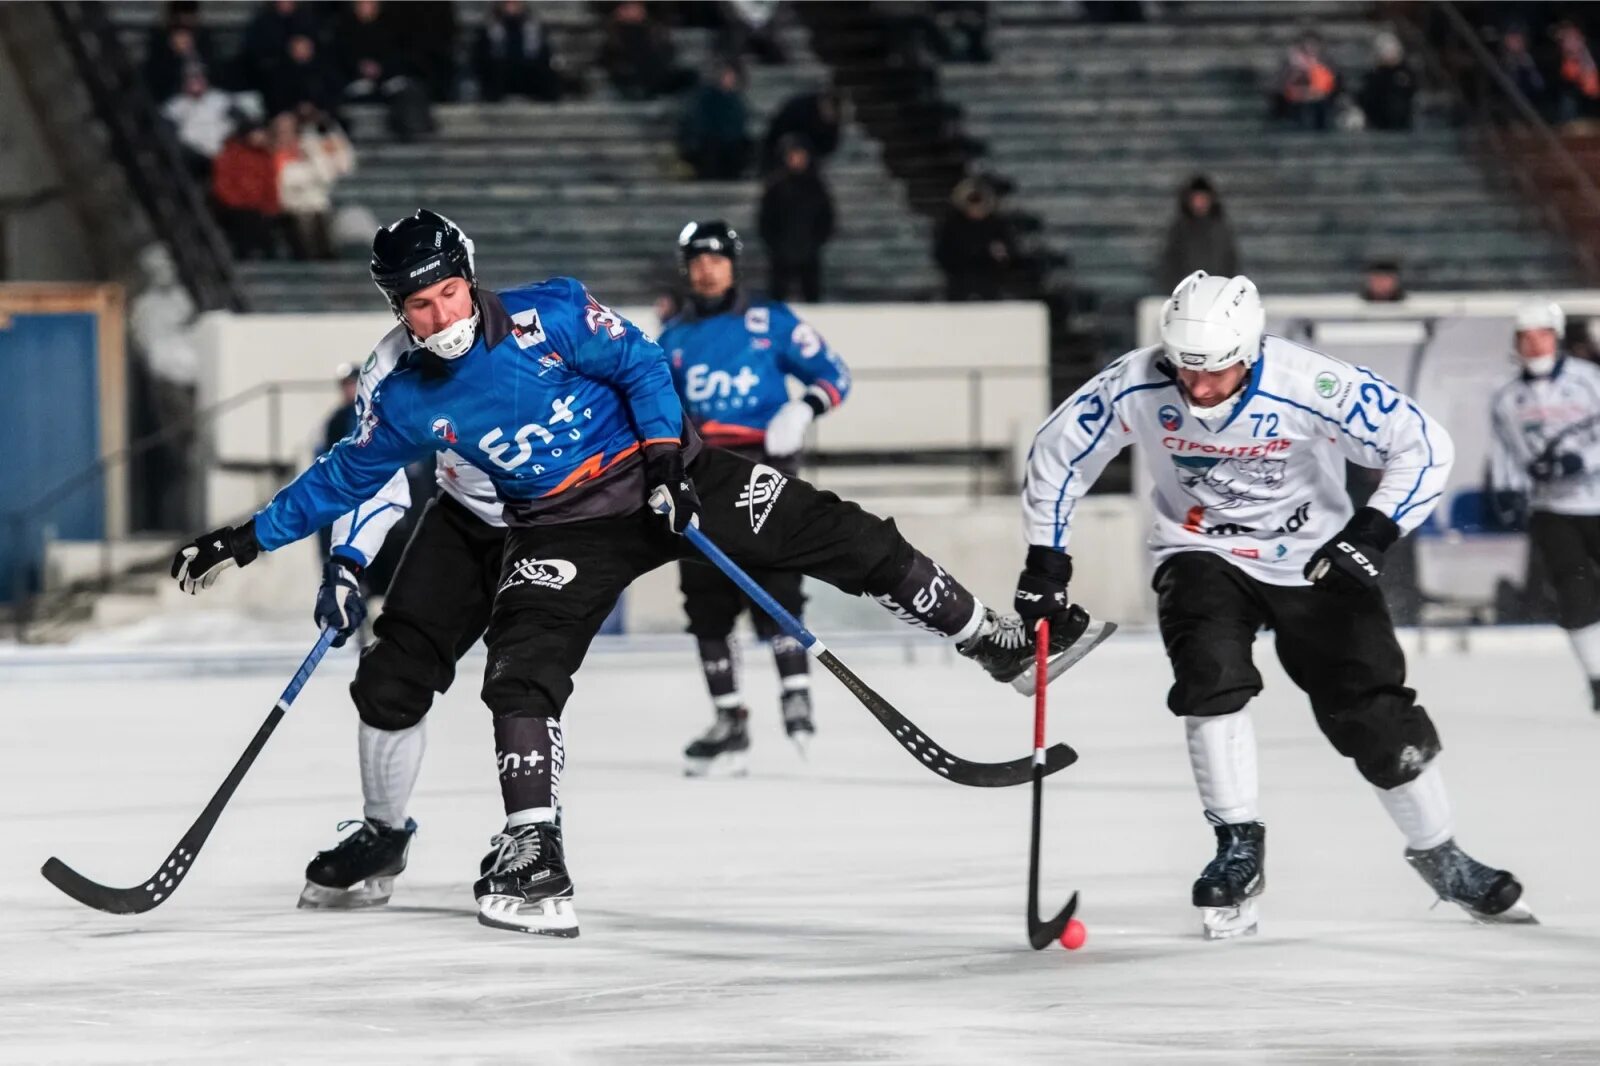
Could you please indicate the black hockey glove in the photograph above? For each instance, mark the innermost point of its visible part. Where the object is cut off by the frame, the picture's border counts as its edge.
(672, 494)
(1555, 467)
(1352, 561)
(198, 562)
(1042, 585)
(339, 602)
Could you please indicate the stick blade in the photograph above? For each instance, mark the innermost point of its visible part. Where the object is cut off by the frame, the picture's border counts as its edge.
(95, 895)
(1042, 934)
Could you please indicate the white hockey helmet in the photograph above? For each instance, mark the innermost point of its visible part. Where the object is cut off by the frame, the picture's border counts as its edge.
(1542, 314)
(1210, 323)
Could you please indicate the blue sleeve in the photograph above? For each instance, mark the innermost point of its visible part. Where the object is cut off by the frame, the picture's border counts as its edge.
(609, 348)
(350, 473)
(804, 355)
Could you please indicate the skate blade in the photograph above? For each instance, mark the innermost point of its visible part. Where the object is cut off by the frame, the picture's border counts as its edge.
(1516, 914)
(1092, 638)
(734, 764)
(373, 892)
(801, 739)
(545, 917)
(1226, 923)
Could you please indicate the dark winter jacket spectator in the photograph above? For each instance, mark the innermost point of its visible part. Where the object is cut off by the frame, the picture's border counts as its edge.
(427, 33)
(1523, 69)
(306, 80)
(177, 45)
(265, 45)
(974, 246)
(796, 220)
(814, 116)
(713, 136)
(1382, 283)
(1389, 91)
(637, 53)
(366, 47)
(512, 55)
(244, 193)
(1199, 238)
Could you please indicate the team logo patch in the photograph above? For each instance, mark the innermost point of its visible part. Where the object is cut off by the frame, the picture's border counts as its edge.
(372, 361)
(1280, 551)
(760, 494)
(444, 429)
(544, 573)
(1171, 418)
(527, 329)
(758, 320)
(1326, 384)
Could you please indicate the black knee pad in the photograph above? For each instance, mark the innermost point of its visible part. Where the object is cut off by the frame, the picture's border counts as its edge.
(527, 680)
(1388, 737)
(387, 697)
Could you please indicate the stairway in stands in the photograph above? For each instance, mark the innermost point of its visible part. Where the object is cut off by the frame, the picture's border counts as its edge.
(1101, 123)
(586, 187)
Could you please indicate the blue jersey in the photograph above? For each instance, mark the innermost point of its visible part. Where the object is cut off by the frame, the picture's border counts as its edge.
(554, 402)
(730, 369)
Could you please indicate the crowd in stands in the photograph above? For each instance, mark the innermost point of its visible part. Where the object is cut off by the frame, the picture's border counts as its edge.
(1551, 62)
(1309, 91)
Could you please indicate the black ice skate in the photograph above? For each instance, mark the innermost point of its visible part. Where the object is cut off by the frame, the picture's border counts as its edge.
(1227, 888)
(1486, 894)
(526, 887)
(723, 750)
(797, 718)
(1594, 694)
(359, 871)
(1004, 645)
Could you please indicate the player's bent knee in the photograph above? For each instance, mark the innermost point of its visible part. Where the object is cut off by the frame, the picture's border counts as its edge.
(1390, 744)
(390, 704)
(1188, 704)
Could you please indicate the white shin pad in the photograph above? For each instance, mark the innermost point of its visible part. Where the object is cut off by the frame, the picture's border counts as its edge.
(1421, 808)
(1586, 642)
(1222, 754)
(390, 762)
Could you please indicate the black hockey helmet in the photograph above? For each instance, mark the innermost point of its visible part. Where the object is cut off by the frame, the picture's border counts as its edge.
(416, 251)
(709, 237)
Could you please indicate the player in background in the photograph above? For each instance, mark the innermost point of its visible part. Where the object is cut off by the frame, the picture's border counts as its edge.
(436, 608)
(1246, 437)
(571, 413)
(731, 358)
(1546, 452)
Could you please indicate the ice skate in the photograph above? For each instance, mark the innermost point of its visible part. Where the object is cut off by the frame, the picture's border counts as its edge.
(1227, 888)
(723, 750)
(526, 888)
(359, 871)
(1004, 645)
(1594, 694)
(797, 718)
(1487, 895)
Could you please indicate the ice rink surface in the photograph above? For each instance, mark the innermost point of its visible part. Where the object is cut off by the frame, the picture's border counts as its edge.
(853, 909)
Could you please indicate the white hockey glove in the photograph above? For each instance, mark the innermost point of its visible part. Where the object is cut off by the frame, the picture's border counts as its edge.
(786, 433)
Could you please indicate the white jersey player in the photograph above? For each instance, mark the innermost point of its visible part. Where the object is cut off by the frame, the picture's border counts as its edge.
(1546, 451)
(1245, 437)
(436, 609)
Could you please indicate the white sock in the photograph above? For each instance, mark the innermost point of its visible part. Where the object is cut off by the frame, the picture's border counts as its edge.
(1222, 754)
(1586, 642)
(1421, 809)
(968, 631)
(529, 816)
(390, 762)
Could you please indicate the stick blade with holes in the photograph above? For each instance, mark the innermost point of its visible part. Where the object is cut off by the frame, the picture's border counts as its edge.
(1041, 933)
(159, 886)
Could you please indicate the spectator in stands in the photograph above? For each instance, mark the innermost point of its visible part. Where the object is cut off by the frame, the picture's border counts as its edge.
(309, 160)
(637, 53)
(713, 136)
(1200, 237)
(1519, 64)
(375, 68)
(974, 246)
(244, 192)
(305, 78)
(814, 116)
(1382, 283)
(159, 321)
(265, 44)
(1307, 84)
(1389, 90)
(1578, 82)
(427, 32)
(512, 55)
(796, 220)
(203, 116)
(178, 44)
(749, 29)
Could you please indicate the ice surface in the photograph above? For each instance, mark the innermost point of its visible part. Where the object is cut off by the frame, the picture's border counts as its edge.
(850, 910)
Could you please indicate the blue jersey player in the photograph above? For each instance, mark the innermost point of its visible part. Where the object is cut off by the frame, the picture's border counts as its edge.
(570, 412)
(732, 359)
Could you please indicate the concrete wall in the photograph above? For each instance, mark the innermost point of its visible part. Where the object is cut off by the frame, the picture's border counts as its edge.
(43, 242)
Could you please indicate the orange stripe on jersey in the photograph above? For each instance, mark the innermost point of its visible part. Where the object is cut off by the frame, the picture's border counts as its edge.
(660, 440)
(724, 432)
(591, 468)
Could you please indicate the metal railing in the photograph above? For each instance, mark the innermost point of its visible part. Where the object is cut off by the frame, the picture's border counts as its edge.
(28, 523)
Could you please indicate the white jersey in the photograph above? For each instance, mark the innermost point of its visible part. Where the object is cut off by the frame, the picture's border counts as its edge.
(1559, 414)
(361, 533)
(1263, 487)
